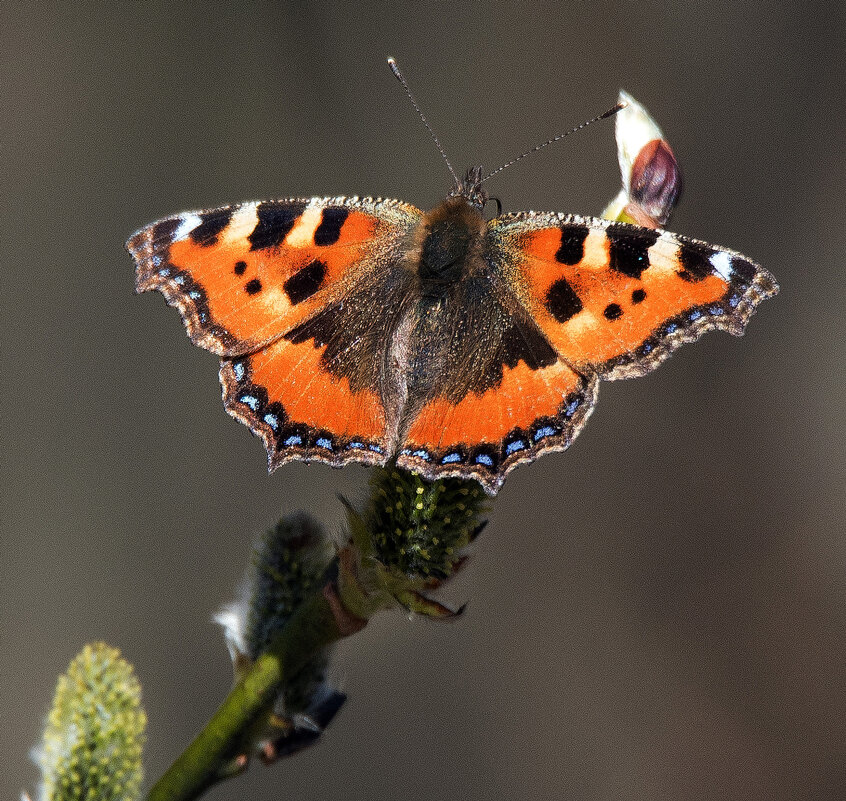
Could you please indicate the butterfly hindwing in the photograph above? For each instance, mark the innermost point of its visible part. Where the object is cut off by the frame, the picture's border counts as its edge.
(301, 411)
(244, 275)
(618, 299)
(484, 435)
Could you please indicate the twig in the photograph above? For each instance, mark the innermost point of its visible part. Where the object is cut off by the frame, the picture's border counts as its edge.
(311, 628)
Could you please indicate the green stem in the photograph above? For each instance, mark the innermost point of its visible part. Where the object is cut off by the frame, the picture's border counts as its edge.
(409, 538)
(311, 628)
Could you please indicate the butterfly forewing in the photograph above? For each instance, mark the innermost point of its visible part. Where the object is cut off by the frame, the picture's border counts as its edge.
(244, 275)
(618, 299)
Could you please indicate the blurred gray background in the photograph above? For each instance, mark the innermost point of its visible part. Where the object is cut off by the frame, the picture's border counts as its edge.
(657, 613)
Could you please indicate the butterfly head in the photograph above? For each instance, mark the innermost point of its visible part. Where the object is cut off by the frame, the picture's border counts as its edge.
(470, 188)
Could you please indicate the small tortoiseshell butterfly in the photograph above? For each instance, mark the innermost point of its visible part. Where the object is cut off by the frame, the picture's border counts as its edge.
(360, 329)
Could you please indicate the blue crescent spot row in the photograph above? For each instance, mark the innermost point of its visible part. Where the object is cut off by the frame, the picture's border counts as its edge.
(288, 435)
(188, 287)
(518, 441)
(174, 282)
(713, 311)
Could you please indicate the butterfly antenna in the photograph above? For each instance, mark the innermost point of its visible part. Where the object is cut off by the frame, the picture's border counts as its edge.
(610, 113)
(399, 76)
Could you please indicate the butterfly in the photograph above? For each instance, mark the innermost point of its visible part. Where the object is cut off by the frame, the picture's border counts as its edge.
(360, 329)
(365, 330)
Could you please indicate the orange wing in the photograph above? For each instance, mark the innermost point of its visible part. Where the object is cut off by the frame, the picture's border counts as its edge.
(618, 299)
(280, 290)
(285, 395)
(485, 435)
(578, 299)
(241, 276)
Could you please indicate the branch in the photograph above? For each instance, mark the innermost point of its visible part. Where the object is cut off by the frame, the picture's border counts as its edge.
(312, 628)
(406, 542)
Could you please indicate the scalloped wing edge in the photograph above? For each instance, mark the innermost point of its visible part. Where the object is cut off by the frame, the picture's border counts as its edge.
(518, 447)
(283, 441)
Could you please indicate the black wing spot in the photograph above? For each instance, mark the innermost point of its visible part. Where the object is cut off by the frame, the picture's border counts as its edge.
(743, 272)
(629, 248)
(164, 231)
(253, 287)
(572, 249)
(317, 328)
(613, 311)
(303, 284)
(240, 267)
(695, 259)
(275, 222)
(638, 296)
(212, 223)
(528, 345)
(562, 301)
(329, 230)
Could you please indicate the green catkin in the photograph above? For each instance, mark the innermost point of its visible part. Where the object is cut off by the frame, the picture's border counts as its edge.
(417, 526)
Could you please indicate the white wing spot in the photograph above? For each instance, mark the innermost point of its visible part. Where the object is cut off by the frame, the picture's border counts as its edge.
(302, 234)
(243, 222)
(721, 262)
(187, 223)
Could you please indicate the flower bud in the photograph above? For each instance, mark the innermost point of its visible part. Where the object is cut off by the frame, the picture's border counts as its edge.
(651, 176)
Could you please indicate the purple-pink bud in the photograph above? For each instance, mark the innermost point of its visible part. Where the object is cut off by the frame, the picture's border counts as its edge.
(650, 173)
(655, 181)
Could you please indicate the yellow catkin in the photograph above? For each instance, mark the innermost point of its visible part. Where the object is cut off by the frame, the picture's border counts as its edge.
(93, 740)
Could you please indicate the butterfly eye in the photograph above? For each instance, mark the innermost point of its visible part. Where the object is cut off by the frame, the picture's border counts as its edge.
(498, 205)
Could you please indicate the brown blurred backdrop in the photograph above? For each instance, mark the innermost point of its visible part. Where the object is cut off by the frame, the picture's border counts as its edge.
(656, 614)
